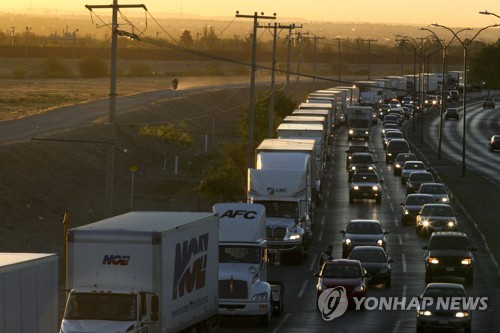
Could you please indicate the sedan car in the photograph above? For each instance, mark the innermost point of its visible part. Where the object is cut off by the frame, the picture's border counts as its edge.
(389, 135)
(395, 147)
(449, 253)
(388, 127)
(343, 273)
(438, 191)
(429, 316)
(451, 113)
(375, 261)
(400, 160)
(362, 232)
(365, 185)
(489, 102)
(494, 142)
(355, 149)
(360, 161)
(412, 205)
(411, 167)
(416, 180)
(435, 217)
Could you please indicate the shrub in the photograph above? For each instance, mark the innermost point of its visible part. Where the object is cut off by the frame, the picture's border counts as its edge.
(92, 68)
(54, 67)
(140, 69)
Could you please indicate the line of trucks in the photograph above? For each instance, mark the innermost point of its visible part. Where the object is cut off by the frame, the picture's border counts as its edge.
(178, 271)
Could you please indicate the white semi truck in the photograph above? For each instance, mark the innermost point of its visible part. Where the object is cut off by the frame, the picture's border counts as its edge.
(359, 122)
(29, 288)
(244, 288)
(147, 271)
(285, 194)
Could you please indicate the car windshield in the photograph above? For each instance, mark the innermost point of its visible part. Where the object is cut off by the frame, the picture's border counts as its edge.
(414, 166)
(421, 177)
(449, 243)
(364, 228)
(418, 200)
(341, 271)
(432, 189)
(368, 255)
(364, 178)
(436, 292)
(398, 145)
(437, 211)
(394, 134)
(353, 149)
(405, 157)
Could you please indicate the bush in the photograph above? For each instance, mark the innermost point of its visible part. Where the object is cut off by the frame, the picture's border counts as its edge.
(92, 68)
(19, 73)
(55, 68)
(140, 70)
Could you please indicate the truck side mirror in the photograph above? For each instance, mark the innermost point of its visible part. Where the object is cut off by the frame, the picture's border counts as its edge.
(154, 308)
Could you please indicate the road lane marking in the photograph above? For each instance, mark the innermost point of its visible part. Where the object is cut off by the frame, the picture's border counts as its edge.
(396, 222)
(320, 237)
(281, 323)
(323, 220)
(313, 263)
(403, 258)
(396, 327)
(405, 288)
(400, 239)
(302, 289)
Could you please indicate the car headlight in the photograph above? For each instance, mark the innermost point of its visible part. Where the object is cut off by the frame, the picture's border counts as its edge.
(425, 223)
(355, 187)
(397, 165)
(347, 241)
(462, 314)
(375, 188)
(406, 212)
(466, 261)
(351, 131)
(451, 224)
(389, 154)
(432, 260)
(295, 236)
(353, 168)
(380, 242)
(261, 297)
(444, 199)
(359, 289)
(425, 313)
(366, 132)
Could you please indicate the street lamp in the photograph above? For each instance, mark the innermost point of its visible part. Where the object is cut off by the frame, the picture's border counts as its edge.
(445, 52)
(465, 44)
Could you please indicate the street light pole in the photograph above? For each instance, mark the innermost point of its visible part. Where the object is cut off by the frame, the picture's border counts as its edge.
(465, 45)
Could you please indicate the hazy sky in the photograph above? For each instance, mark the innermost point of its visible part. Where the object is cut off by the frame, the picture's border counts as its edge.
(452, 13)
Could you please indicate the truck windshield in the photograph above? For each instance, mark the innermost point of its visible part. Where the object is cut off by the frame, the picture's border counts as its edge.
(93, 306)
(361, 123)
(243, 254)
(280, 208)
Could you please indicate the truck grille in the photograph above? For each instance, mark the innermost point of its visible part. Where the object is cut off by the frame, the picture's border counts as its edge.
(239, 289)
(275, 233)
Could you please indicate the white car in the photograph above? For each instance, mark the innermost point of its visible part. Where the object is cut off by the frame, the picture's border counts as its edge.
(410, 167)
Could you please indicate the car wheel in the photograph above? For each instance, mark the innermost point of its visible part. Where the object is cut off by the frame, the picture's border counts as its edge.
(428, 277)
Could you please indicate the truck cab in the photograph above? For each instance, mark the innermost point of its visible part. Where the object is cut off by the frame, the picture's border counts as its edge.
(244, 289)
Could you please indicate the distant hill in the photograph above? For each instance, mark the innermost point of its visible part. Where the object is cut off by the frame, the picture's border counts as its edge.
(168, 24)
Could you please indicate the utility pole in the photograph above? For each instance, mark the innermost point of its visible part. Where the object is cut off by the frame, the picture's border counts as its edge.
(370, 40)
(12, 30)
(289, 43)
(110, 164)
(299, 39)
(250, 144)
(338, 53)
(314, 60)
(26, 42)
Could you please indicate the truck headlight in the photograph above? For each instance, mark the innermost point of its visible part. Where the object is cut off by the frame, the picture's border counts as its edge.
(445, 199)
(261, 297)
(425, 223)
(351, 131)
(389, 154)
(353, 168)
(380, 242)
(375, 188)
(347, 241)
(355, 187)
(451, 224)
(295, 236)
(461, 314)
(426, 313)
(406, 212)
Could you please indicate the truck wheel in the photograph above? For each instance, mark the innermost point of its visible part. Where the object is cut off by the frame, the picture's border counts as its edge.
(280, 305)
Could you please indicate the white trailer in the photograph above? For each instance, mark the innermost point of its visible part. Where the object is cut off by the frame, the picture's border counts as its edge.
(29, 288)
(244, 288)
(359, 120)
(398, 86)
(143, 271)
(306, 119)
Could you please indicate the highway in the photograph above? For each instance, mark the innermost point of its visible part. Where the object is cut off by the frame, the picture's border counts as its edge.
(404, 247)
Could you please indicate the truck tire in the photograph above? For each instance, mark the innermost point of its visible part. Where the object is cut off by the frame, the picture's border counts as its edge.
(279, 305)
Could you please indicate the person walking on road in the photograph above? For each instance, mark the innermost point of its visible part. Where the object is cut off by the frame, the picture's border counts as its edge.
(325, 256)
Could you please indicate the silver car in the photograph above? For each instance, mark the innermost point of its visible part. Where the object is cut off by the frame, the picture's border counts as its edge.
(437, 190)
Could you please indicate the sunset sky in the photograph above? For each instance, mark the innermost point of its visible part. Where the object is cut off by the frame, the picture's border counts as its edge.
(452, 13)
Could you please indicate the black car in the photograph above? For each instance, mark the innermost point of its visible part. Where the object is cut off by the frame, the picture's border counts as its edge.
(449, 254)
(489, 102)
(365, 186)
(361, 161)
(494, 143)
(400, 160)
(355, 149)
(412, 205)
(389, 135)
(432, 316)
(435, 217)
(416, 179)
(451, 113)
(395, 147)
(375, 261)
(362, 232)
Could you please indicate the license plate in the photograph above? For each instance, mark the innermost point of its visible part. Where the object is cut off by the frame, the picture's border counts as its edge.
(443, 321)
(450, 269)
